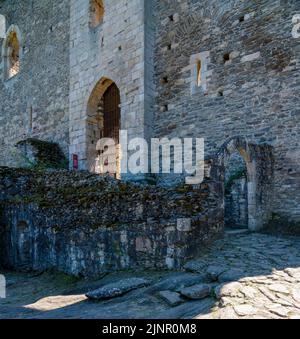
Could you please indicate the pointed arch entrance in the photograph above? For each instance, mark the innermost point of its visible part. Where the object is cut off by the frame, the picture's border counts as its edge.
(259, 164)
(103, 121)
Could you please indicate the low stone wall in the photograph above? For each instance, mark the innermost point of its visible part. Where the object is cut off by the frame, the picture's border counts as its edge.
(84, 224)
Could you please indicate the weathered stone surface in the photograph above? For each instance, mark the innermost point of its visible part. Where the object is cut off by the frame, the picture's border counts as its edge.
(244, 310)
(42, 154)
(51, 296)
(294, 273)
(214, 272)
(296, 294)
(171, 298)
(39, 101)
(86, 224)
(117, 289)
(195, 266)
(231, 275)
(278, 310)
(177, 281)
(196, 292)
(231, 78)
(192, 309)
(161, 97)
(228, 290)
(279, 288)
(249, 292)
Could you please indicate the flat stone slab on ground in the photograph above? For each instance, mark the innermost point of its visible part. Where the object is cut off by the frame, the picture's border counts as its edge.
(177, 281)
(117, 289)
(213, 272)
(244, 310)
(189, 310)
(195, 266)
(228, 290)
(293, 272)
(231, 275)
(171, 298)
(196, 292)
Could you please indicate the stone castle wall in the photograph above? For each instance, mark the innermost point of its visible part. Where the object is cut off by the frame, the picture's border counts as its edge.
(34, 103)
(114, 51)
(152, 49)
(84, 224)
(249, 80)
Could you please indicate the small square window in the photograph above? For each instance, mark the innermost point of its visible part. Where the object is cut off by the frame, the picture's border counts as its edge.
(226, 57)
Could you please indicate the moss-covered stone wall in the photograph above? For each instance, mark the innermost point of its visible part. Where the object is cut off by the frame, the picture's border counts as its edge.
(84, 224)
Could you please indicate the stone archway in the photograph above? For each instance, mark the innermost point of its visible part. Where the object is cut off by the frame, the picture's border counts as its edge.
(103, 121)
(236, 193)
(259, 164)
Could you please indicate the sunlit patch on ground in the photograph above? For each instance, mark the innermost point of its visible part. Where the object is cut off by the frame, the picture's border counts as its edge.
(56, 302)
(249, 275)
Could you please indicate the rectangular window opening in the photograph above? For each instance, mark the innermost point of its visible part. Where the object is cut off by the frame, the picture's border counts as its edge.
(199, 70)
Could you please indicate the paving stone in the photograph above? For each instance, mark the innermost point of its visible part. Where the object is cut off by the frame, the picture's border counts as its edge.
(266, 292)
(280, 288)
(228, 290)
(177, 281)
(293, 272)
(192, 309)
(230, 301)
(248, 291)
(244, 310)
(171, 298)
(196, 292)
(283, 301)
(278, 310)
(227, 313)
(231, 275)
(117, 289)
(294, 315)
(214, 272)
(195, 266)
(296, 294)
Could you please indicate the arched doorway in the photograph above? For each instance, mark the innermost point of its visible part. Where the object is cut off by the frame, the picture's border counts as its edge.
(104, 121)
(256, 173)
(236, 193)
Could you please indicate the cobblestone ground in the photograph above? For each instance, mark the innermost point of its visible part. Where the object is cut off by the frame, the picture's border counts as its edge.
(240, 276)
(265, 274)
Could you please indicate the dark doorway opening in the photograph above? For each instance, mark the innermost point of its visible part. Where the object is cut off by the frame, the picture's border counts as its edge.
(236, 193)
(111, 113)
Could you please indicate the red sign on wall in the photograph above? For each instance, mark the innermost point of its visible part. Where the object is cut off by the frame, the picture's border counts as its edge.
(75, 162)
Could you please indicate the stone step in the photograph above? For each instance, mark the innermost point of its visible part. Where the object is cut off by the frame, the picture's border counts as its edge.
(117, 289)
